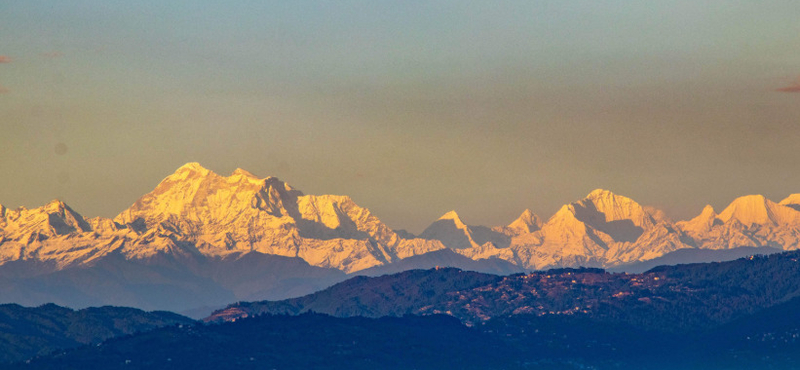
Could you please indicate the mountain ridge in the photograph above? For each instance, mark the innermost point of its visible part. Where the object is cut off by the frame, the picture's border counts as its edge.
(656, 299)
(30, 331)
(195, 214)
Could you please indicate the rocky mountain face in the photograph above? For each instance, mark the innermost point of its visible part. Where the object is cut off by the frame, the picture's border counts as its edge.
(195, 215)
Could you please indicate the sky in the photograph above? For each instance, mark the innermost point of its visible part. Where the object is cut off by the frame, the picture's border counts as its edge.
(412, 108)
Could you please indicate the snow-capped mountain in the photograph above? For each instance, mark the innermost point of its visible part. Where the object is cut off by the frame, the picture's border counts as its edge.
(55, 233)
(792, 201)
(607, 230)
(526, 223)
(749, 221)
(219, 215)
(196, 213)
(602, 229)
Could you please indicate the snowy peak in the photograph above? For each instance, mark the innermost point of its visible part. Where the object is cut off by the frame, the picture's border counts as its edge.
(191, 169)
(195, 211)
(615, 208)
(222, 215)
(749, 209)
(619, 217)
(708, 212)
(451, 231)
(474, 241)
(600, 194)
(792, 201)
(601, 229)
(192, 166)
(749, 221)
(758, 210)
(243, 173)
(332, 216)
(564, 225)
(527, 222)
(63, 219)
(196, 194)
(53, 219)
(453, 216)
(702, 223)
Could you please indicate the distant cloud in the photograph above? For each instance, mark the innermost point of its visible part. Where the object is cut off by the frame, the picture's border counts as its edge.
(793, 88)
(5, 59)
(53, 54)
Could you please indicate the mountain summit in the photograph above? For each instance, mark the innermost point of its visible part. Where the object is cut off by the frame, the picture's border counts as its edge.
(451, 231)
(758, 210)
(527, 222)
(242, 212)
(792, 201)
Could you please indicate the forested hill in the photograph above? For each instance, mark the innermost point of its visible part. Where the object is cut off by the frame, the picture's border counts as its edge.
(30, 331)
(677, 298)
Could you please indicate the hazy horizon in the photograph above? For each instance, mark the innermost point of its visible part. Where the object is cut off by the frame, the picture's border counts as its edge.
(413, 109)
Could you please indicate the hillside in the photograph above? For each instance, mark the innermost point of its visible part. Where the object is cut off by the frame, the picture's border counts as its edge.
(547, 342)
(308, 341)
(30, 331)
(668, 298)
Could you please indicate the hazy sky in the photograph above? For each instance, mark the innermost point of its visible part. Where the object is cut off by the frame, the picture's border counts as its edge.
(413, 108)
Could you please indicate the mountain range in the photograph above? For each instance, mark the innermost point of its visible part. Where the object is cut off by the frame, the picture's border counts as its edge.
(202, 239)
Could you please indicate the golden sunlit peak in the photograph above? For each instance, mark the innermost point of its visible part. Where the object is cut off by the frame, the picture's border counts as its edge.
(747, 202)
(55, 204)
(452, 215)
(527, 217)
(192, 166)
(527, 221)
(245, 173)
(757, 209)
(599, 193)
(791, 199)
(526, 213)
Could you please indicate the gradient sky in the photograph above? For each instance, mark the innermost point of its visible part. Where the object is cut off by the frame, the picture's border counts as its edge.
(413, 108)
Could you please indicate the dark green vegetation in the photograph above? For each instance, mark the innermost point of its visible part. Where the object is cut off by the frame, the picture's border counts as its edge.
(768, 339)
(390, 295)
(309, 341)
(26, 332)
(669, 298)
(317, 341)
(742, 314)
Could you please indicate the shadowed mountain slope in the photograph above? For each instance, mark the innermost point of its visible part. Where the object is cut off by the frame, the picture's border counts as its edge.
(667, 298)
(29, 331)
